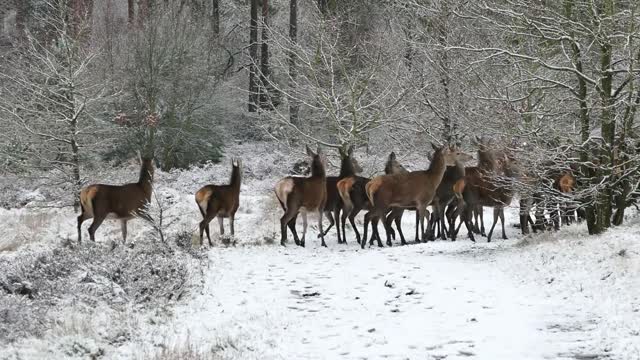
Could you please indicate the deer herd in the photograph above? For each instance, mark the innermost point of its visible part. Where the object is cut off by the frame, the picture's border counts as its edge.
(455, 193)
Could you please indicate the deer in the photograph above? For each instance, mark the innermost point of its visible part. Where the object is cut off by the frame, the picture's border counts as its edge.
(348, 167)
(450, 189)
(301, 195)
(484, 188)
(122, 202)
(564, 183)
(221, 201)
(413, 189)
(354, 198)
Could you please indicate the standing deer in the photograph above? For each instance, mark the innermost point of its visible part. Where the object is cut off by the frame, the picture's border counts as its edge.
(354, 197)
(221, 201)
(301, 195)
(484, 188)
(122, 202)
(413, 189)
(348, 167)
(450, 189)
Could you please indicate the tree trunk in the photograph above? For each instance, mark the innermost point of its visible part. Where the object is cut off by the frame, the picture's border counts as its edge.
(253, 55)
(265, 100)
(322, 6)
(144, 7)
(81, 12)
(215, 16)
(449, 127)
(293, 72)
(130, 12)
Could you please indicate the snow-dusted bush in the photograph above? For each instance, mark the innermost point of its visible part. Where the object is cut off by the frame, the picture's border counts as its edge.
(35, 285)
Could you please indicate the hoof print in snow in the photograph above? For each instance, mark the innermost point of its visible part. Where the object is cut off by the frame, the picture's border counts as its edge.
(473, 320)
(371, 330)
(411, 292)
(395, 310)
(389, 284)
(315, 293)
(551, 280)
(465, 353)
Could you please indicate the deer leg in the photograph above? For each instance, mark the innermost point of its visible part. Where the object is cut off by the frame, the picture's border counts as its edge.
(504, 234)
(375, 235)
(292, 226)
(496, 212)
(81, 219)
(231, 220)
(331, 223)
(346, 212)
(221, 224)
(481, 217)
(123, 228)
(336, 217)
(204, 225)
(421, 210)
(304, 227)
(395, 217)
(442, 221)
(367, 220)
(285, 220)
(352, 221)
(398, 222)
(320, 227)
(451, 214)
(97, 221)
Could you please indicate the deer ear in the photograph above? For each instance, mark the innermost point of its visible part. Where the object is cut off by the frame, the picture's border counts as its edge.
(139, 157)
(434, 146)
(309, 151)
(239, 160)
(350, 151)
(392, 156)
(319, 150)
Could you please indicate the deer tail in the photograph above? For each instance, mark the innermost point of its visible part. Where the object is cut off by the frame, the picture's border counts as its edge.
(344, 187)
(371, 188)
(458, 188)
(202, 199)
(282, 189)
(86, 199)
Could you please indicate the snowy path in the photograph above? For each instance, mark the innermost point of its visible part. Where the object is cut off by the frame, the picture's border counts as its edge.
(399, 303)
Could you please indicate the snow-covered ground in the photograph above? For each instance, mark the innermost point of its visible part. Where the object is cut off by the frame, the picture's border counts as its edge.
(563, 295)
(558, 296)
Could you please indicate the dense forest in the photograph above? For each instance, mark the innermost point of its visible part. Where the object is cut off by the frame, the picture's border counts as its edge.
(85, 82)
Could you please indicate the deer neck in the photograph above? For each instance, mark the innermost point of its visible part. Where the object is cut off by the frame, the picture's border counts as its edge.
(486, 160)
(317, 169)
(146, 180)
(346, 168)
(236, 178)
(437, 167)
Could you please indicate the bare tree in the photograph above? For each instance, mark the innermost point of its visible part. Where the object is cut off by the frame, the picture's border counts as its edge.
(343, 103)
(47, 93)
(293, 38)
(253, 57)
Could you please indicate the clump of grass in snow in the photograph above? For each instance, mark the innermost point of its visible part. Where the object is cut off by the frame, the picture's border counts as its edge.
(36, 285)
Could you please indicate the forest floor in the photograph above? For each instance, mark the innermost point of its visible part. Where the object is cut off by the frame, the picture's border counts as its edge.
(551, 296)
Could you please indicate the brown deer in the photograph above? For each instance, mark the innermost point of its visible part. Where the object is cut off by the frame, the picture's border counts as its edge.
(122, 202)
(354, 197)
(449, 191)
(221, 201)
(348, 167)
(490, 188)
(301, 195)
(413, 189)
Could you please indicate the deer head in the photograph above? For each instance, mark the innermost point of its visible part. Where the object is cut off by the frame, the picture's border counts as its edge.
(348, 163)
